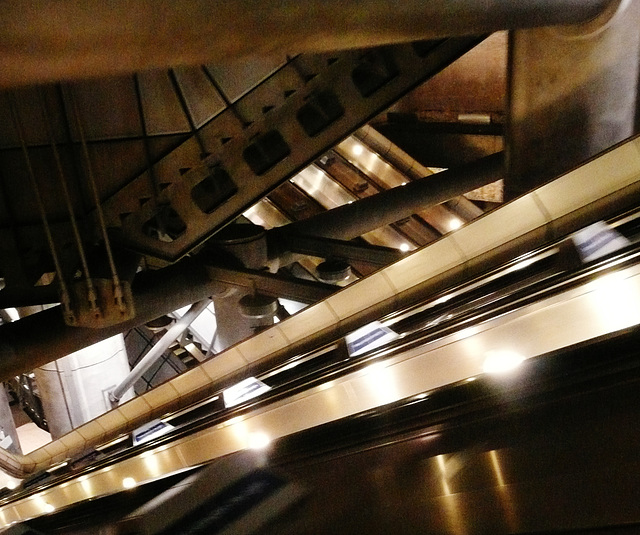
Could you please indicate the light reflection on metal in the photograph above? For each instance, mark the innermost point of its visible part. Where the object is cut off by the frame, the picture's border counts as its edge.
(443, 471)
(321, 187)
(381, 382)
(616, 298)
(442, 299)
(450, 503)
(265, 214)
(369, 162)
(57, 466)
(467, 333)
(129, 483)
(455, 224)
(258, 440)
(496, 467)
(504, 495)
(525, 263)
(502, 361)
(326, 386)
(152, 465)
(441, 464)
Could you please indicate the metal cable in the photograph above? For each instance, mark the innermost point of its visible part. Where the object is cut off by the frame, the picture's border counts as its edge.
(117, 287)
(64, 292)
(153, 180)
(230, 105)
(185, 110)
(91, 294)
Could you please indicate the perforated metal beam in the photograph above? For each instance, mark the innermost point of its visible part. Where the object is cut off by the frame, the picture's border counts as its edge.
(289, 120)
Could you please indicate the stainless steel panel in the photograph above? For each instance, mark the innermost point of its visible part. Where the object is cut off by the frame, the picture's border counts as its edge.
(601, 306)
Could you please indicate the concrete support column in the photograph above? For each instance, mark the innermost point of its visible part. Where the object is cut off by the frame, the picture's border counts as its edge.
(75, 388)
(573, 93)
(8, 434)
(231, 324)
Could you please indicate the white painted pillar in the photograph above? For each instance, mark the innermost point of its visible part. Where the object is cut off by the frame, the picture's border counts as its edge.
(75, 388)
(232, 326)
(8, 434)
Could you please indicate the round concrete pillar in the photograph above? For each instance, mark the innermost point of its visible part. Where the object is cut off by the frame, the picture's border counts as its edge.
(232, 326)
(75, 388)
(8, 434)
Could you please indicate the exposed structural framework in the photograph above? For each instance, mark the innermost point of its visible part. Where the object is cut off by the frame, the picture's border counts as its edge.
(548, 213)
(123, 221)
(194, 278)
(203, 184)
(300, 111)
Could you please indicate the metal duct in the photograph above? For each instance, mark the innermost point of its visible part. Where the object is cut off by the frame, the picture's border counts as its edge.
(44, 41)
(352, 220)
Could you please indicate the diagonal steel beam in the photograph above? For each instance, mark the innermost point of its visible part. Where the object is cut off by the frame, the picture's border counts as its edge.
(300, 290)
(327, 247)
(293, 117)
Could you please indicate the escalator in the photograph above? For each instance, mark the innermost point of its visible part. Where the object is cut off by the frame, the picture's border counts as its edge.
(382, 439)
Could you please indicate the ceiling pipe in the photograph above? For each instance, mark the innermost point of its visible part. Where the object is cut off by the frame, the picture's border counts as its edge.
(352, 220)
(43, 337)
(42, 41)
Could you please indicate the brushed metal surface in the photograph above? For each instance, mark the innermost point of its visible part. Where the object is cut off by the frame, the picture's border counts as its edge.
(601, 306)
